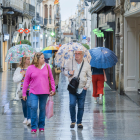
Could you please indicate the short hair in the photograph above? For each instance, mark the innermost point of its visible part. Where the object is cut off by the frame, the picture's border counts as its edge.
(35, 60)
(80, 51)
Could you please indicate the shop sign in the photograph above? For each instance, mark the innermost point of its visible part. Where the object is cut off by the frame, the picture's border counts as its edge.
(6, 37)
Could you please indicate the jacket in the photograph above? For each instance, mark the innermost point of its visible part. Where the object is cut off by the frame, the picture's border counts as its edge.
(85, 75)
(17, 77)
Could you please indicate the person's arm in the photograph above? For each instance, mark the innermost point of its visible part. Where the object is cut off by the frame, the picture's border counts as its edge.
(17, 75)
(67, 70)
(26, 81)
(89, 77)
(51, 78)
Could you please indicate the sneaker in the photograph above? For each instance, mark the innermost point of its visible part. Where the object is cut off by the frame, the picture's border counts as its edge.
(33, 131)
(95, 102)
(25, 121)
(80, 126)
(41, 129)
(72, 125)
(28, 122)
(100, 100)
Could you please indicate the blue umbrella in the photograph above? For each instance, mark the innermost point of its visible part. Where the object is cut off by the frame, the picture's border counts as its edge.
(102, 58)
(47, 54)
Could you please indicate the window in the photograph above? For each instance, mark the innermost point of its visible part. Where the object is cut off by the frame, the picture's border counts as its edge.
(46, 11)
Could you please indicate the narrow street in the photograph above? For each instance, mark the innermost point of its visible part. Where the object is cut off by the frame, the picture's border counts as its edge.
(117, 119)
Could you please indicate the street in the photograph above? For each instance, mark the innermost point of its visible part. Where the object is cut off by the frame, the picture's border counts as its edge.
(117, 119)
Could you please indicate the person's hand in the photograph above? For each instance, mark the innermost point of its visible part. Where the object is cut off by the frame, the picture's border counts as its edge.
(52, 93)
(85, 88)
(23, 73)
(24, 98)
(71, 72)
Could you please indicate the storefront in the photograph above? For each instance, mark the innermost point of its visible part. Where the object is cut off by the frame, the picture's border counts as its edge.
(131, 46)
(105, 31)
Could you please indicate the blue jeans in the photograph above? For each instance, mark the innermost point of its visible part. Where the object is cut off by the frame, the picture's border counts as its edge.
(80, 99)
(34, 106)
(26, 107)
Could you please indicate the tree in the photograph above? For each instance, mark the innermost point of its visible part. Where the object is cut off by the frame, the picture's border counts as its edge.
(86, 46)
(25, 42)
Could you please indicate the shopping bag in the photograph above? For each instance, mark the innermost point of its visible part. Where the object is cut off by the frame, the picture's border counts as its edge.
(49, 108)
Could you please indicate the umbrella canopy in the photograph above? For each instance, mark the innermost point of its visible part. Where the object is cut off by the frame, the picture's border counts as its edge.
(48, 51)
(66, 52)
(102, 58)
(15, 53)
(51, 48)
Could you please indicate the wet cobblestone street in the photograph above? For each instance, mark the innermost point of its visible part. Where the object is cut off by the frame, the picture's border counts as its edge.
(117, 119)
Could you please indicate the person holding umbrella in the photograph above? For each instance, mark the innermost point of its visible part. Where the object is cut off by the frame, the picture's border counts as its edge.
(75, 58)
(71, 70)
(102, 58)
(98, 83)
(19, 76)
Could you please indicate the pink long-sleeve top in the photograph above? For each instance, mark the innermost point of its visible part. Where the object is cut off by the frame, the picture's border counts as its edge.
(38, 80)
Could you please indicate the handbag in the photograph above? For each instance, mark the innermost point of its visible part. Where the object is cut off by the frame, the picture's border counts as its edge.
(74, 83)
(49, 108)
(49, 81)
(57, 70)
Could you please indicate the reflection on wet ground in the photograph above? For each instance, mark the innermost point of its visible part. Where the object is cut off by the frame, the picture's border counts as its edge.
(117, 119)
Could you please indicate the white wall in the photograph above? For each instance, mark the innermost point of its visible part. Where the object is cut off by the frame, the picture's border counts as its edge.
(131, 54)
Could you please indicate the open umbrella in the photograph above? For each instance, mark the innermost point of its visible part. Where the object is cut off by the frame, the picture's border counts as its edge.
(48, 51)
(102, 58)
(15, 53)
(66, 52)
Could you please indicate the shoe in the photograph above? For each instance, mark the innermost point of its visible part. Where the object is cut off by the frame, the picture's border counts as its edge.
(72, 125)
(41, 129)
(33, 131)
(28, 122)
(25, 121)
(80, 126)
(95, 102)
(100, 100)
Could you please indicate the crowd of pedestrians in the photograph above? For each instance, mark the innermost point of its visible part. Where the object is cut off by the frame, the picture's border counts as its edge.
(33, 87)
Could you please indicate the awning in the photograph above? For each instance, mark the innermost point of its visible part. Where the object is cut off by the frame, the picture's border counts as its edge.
(100, 4)
(109, 26)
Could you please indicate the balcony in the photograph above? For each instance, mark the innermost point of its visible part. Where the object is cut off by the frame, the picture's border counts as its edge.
(16, 5)
(31, 10)
(39, 19)
(26, 8)
(45, 21)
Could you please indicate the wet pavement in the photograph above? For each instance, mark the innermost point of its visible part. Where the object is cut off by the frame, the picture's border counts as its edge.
(117, 119)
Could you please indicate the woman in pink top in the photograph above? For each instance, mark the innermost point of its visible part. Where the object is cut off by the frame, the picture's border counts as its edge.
(37, 76)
